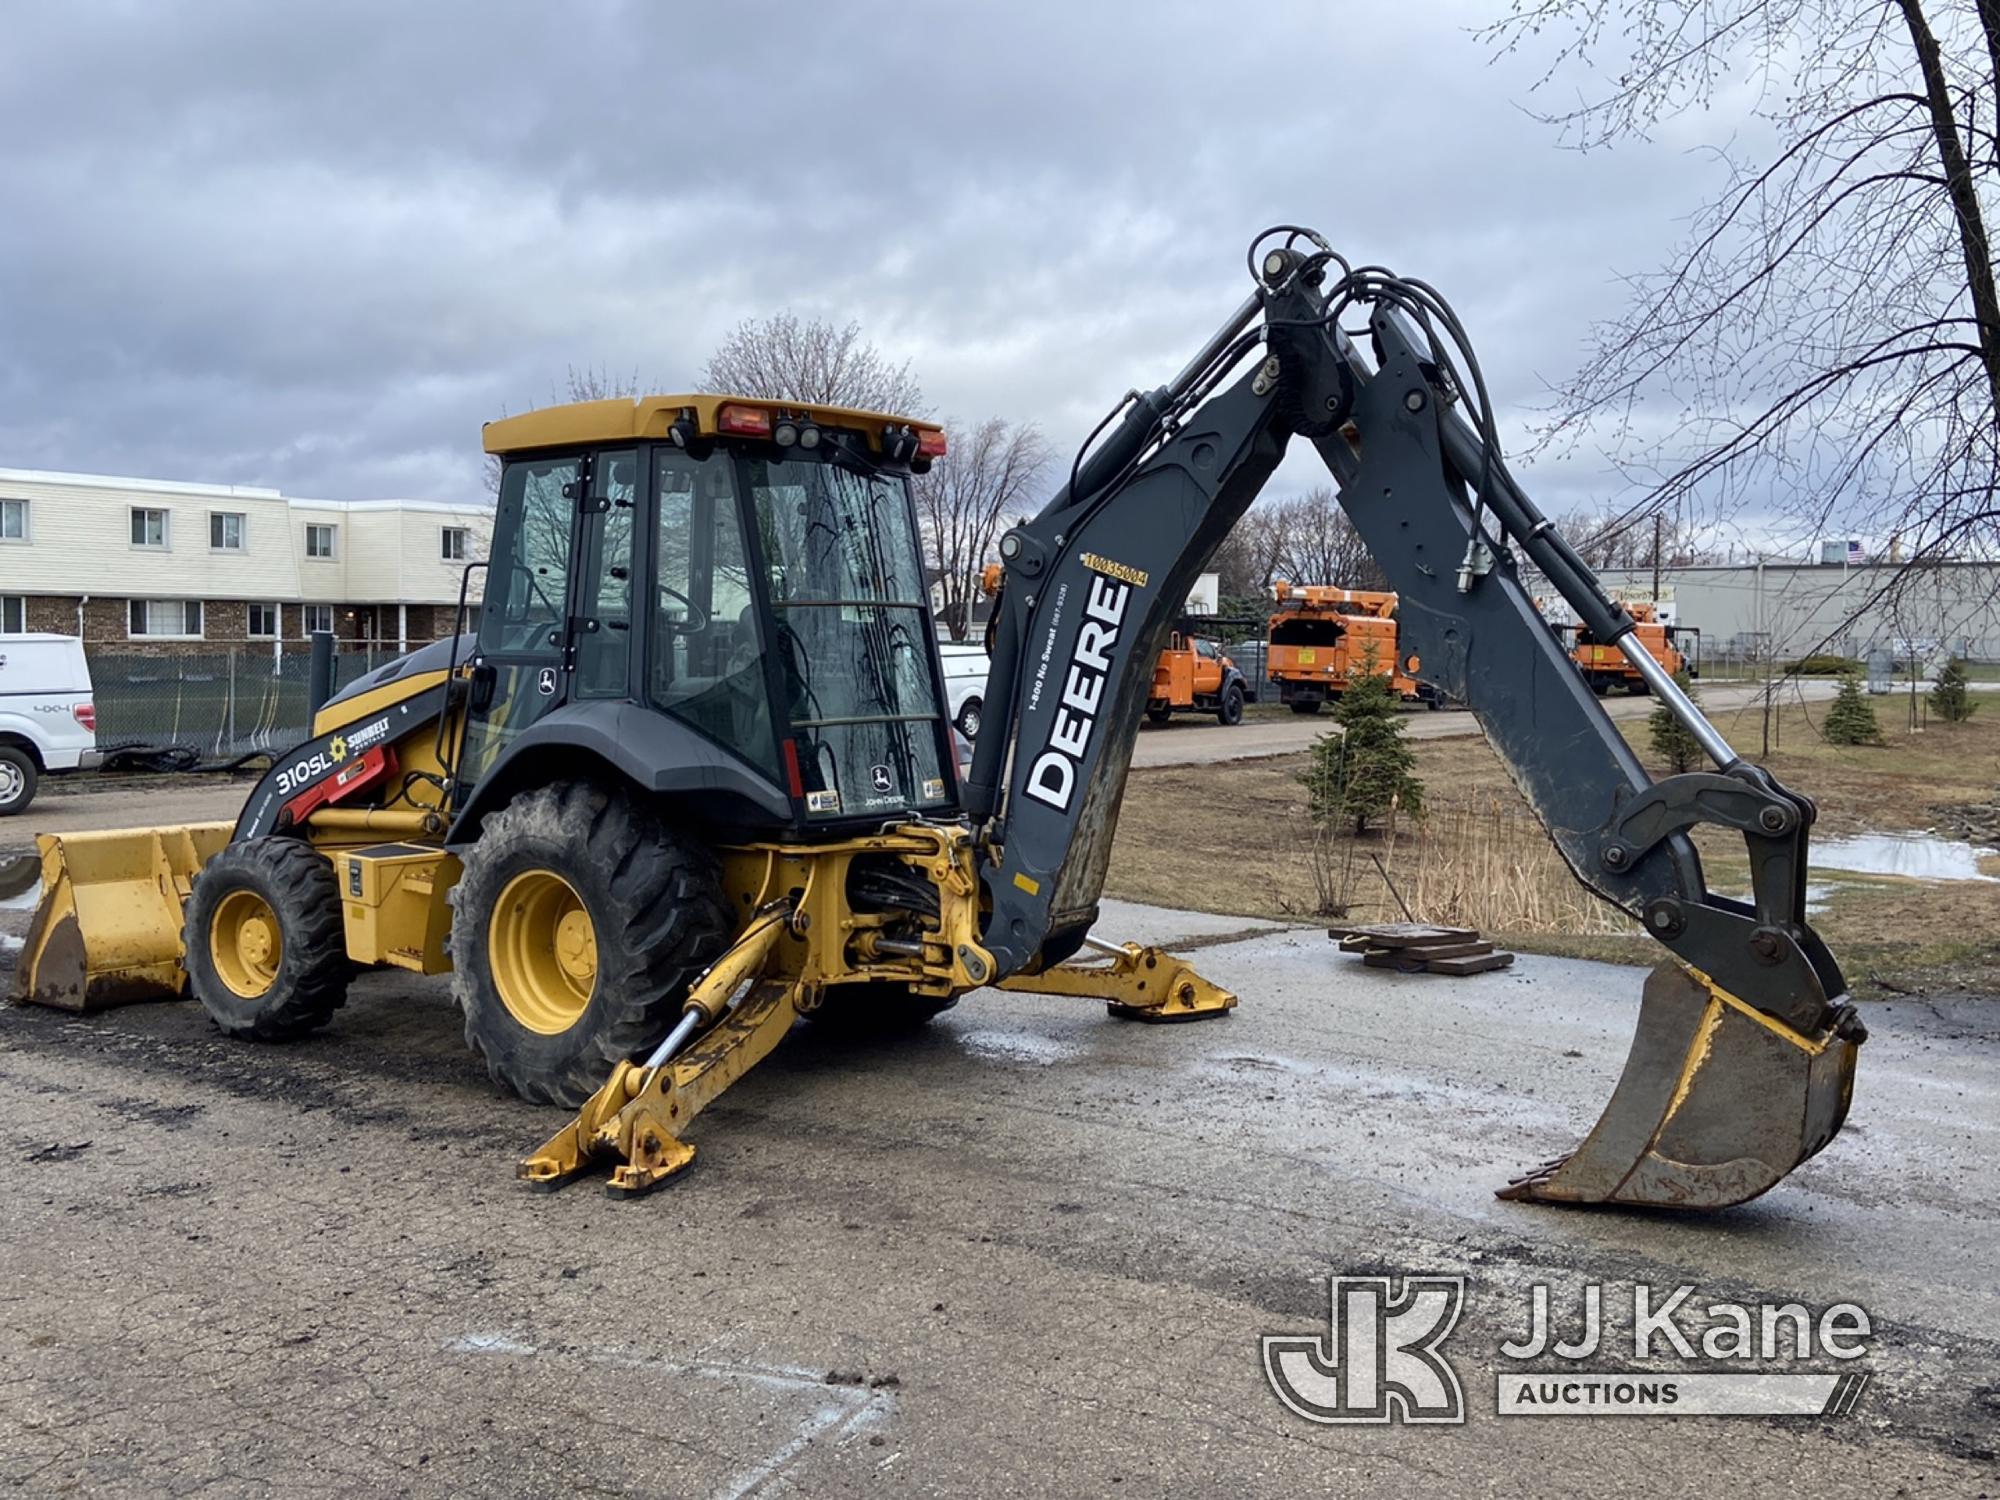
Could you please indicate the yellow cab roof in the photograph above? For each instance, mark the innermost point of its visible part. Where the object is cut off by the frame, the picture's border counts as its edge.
(637, 419)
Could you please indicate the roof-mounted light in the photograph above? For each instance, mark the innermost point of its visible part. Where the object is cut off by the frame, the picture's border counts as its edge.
(930, 442)
(743, 421)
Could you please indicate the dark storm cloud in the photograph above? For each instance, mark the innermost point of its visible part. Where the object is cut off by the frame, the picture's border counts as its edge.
(317, 247)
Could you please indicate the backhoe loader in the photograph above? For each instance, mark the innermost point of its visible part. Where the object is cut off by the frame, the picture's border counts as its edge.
(692, 779)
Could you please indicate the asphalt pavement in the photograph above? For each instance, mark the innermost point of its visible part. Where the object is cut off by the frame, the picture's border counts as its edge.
(1029, 1251)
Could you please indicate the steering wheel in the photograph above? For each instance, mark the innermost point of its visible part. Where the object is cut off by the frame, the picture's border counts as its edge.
(697, 617)
(527, 633)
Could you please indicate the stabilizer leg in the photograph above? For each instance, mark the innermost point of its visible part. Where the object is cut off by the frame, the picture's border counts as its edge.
(1138, 984)
(637, 1117)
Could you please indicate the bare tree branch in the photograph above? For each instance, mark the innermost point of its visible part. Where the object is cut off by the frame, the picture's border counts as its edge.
(1822, 353)
(786, 358)
(990, 473)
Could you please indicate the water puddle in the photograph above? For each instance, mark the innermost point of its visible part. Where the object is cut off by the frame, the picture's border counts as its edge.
(1914, 856)
(1017, 1046)
(1818, 893)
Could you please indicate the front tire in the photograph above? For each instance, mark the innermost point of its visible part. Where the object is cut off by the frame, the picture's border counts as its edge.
(578, 925)
(1230, 710)
(17, 780)
(968, 719)
(1159, 715)
(266, 949)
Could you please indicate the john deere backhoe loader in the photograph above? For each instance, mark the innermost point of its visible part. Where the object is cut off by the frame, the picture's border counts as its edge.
(693, 779)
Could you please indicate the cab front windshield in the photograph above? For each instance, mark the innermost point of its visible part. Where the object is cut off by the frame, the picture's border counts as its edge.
(852, 627)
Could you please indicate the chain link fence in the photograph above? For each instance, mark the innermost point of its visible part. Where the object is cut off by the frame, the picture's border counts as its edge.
(217, 705)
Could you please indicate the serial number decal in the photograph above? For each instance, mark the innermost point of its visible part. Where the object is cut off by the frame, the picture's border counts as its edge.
(1137, 577)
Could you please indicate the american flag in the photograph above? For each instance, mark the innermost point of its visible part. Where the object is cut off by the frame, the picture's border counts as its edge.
(1854, 552)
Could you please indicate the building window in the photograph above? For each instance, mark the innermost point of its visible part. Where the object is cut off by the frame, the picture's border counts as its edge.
(225, 531)
(319, 541)
(13, 520)
(13, 615)
(173, 619)
(455, 546)
(316, 616)
(149, 527)
(263, 622)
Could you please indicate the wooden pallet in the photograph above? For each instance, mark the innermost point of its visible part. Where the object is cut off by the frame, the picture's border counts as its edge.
(1421, 948)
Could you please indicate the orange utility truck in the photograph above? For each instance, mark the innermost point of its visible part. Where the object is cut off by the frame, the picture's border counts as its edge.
(1605, 667)
(1324, 638)
(1192, 673)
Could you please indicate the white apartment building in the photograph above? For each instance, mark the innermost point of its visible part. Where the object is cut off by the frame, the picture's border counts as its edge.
(156, 566)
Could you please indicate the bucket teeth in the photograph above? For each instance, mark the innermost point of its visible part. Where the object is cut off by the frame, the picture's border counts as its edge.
(1716, 1104)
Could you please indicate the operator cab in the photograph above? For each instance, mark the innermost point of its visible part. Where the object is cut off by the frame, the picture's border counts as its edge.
(730, 591)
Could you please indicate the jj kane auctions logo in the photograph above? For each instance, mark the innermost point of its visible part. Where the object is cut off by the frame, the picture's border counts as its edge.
(1380, 1358)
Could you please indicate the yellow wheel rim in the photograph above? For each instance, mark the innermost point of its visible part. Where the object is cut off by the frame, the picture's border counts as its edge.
(246, 943)
(543, 952)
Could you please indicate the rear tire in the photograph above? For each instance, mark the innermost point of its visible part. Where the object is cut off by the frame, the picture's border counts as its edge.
(1305, 705)
(1230, 711)
(1159, 715)
(968, 719)
(266, 949)
(578, 925)
(17, 780)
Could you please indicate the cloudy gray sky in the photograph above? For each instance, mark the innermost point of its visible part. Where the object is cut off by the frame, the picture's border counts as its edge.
(315, 247)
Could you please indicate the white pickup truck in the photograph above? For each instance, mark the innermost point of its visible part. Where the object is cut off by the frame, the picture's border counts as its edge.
(964, 684)
(48, 722)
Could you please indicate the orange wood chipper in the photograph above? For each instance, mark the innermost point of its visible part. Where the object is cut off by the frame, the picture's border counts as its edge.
(1323, 638)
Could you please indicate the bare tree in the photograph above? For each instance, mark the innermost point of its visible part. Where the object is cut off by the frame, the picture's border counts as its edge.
(1315, 542)
(1613, 538)
(1247, 560)
(1829, 332)
(784, 358)
(594, 383)
(988, 473)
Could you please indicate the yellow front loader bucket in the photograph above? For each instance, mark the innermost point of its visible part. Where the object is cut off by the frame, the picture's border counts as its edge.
(108, 930)
(1718, 1101)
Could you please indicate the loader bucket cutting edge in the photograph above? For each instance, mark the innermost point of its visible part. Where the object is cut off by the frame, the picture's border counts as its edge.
(108, 928)
(1717, 1103)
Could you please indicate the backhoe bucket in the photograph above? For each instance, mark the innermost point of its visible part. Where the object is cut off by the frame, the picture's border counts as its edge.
(108, 930)
(1718, 1101)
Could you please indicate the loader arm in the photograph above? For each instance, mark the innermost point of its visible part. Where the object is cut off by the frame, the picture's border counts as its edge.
(1094, 582)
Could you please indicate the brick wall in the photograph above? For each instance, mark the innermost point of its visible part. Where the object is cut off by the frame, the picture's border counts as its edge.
(225, 625)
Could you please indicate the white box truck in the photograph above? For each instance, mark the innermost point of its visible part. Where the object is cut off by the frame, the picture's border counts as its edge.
(48, 723)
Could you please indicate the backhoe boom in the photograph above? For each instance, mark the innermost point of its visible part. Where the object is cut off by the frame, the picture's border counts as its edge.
(1094, 582)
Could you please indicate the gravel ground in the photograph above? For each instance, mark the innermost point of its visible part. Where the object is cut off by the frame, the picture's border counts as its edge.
(1028, 1252)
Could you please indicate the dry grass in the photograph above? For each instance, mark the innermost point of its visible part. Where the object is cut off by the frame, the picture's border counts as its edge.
(1234, 838)
(1477, 864)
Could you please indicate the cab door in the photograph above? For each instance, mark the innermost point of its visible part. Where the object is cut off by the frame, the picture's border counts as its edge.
(1207, 668)
(556, 622)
